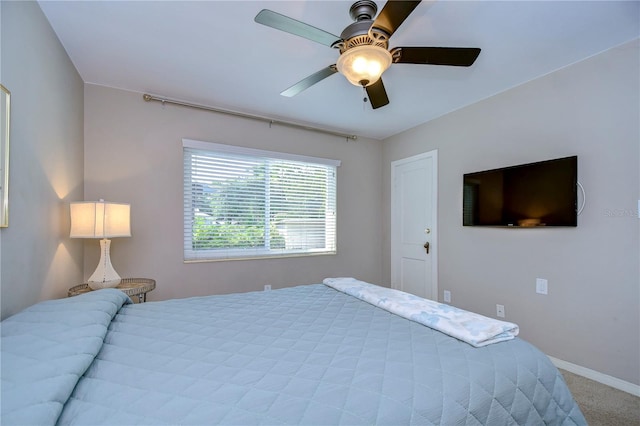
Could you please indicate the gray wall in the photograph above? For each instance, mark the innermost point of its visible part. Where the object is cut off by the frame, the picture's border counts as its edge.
(133, 153)
(591, 109)
(39, 261)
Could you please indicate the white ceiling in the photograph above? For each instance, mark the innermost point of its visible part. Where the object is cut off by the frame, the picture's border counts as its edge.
(213, 53)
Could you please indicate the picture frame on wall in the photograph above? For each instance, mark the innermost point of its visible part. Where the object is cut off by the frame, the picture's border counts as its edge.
(5, 120)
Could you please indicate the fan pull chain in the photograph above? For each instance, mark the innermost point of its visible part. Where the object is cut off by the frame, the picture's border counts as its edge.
(364, 99)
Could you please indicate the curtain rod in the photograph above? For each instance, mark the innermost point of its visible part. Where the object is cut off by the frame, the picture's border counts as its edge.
(147, 97)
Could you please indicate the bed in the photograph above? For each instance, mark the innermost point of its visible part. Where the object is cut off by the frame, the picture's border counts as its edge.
(312, 354)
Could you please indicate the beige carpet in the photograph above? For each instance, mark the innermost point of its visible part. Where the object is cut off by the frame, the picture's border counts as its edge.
(603, 405)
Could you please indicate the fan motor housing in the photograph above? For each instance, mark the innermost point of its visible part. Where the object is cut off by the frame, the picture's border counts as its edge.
(357, 34)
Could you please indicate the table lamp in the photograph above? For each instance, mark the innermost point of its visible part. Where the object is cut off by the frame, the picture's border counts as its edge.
(104, 220)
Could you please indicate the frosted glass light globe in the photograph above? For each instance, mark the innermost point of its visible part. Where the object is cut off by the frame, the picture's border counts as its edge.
(363, 65)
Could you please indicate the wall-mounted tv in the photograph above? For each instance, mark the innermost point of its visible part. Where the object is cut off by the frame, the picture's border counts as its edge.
(528, 195)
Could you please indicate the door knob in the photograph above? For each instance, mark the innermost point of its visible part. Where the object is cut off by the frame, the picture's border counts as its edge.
(426, 246)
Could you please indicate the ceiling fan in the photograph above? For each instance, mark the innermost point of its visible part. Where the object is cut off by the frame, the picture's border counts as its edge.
(364, 47)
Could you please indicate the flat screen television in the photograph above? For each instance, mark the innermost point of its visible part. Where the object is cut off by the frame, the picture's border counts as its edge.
(528, 195)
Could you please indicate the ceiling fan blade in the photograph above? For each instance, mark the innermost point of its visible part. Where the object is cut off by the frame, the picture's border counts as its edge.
(453, 56)
(377, 95)
(284, 23)
(310, 81)
(392, 16)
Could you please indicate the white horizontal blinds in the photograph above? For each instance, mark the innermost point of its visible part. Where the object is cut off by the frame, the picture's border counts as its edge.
(242, 205)
(302, 209)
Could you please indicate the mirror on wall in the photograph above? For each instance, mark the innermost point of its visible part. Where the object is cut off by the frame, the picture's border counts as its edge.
(5, 114)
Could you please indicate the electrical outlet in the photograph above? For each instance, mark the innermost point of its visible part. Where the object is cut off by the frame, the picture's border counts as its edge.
(541, 286)
(447, 296)
(267, 287)
(500, 311)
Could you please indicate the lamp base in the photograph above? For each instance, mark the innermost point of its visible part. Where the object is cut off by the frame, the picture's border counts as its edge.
(97, 285)
(104, 276)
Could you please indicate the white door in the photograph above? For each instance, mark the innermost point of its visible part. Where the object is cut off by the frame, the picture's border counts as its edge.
(414, 184)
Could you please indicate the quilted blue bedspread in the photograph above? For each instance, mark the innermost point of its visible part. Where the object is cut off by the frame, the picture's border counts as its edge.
(301, 355)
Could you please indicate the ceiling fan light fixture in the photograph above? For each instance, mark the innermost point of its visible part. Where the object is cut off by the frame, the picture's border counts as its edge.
(363, 65)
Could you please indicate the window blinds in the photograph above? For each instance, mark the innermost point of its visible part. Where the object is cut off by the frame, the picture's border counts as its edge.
(247, 203)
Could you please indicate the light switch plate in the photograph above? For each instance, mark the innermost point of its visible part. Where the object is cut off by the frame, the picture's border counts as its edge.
(541, 286)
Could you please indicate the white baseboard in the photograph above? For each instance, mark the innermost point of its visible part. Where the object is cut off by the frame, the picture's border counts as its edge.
(605, 379)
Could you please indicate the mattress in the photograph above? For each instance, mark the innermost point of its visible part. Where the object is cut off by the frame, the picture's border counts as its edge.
(302, 355)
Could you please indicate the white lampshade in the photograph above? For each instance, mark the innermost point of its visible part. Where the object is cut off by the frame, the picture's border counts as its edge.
(100, 219)
(104, 220)
(363, 65)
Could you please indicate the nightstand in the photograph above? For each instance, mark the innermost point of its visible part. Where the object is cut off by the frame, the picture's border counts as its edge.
(138, 287)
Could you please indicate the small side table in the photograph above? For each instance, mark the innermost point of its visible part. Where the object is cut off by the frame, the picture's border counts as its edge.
(130, 286)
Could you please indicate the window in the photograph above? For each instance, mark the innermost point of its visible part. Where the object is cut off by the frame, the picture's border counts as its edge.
(248, 203)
